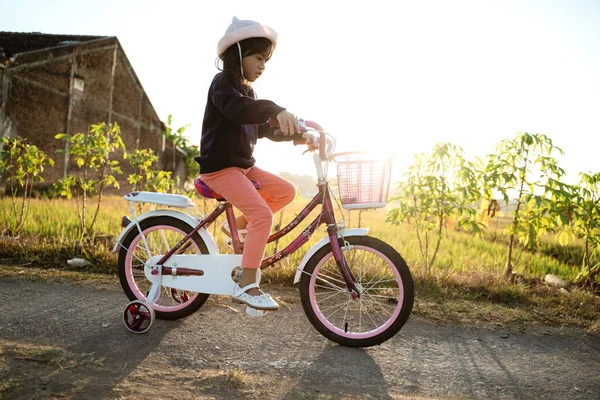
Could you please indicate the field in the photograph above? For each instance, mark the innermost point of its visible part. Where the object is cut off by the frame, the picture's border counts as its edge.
(52, 225)
(466, 284)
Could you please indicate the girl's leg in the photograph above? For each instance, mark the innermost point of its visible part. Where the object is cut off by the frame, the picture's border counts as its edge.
(232, 184)
(276, 191)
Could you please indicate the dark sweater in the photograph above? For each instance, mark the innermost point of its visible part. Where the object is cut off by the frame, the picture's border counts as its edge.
(233, 121)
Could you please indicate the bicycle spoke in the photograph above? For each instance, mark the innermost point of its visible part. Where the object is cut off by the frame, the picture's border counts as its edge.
(339, 308)
(391, 298)
(331, 284)
(380, 289)
(382, 306)
(366, 312)
(335, 271)
(379, 281)
(327, 298)
(159, 241)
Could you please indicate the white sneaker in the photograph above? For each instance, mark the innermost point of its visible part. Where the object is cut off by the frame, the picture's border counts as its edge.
(262, 302)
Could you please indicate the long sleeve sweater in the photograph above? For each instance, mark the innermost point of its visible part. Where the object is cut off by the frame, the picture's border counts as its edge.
(233, 121)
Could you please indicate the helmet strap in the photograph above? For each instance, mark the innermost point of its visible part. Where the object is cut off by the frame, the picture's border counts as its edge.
(241, 66)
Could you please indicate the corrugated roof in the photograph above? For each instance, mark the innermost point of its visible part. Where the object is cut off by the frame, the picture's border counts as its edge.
(12, 43)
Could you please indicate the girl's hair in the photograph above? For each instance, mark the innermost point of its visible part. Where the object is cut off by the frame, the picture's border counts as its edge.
(229, 61)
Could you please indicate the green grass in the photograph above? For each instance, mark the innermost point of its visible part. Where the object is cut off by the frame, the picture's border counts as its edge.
(466, 283)
(50, 237)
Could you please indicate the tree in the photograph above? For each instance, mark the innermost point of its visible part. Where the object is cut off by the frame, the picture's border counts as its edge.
(524, 166)
(91, 152)
(578, 216)
(21, 165)
(441, 185)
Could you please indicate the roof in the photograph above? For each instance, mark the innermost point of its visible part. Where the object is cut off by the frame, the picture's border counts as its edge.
(12, 43)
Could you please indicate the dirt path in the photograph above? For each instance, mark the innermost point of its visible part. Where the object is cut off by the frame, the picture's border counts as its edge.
(60, 340)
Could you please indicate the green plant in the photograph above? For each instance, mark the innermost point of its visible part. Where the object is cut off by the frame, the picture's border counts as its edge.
(521, 166)
(91, 152)
(578, 215)
(439, 189)
(179, 140)
(145, 177)
(21, 165)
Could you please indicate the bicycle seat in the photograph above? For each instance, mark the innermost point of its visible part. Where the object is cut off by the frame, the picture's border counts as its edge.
(204, 191)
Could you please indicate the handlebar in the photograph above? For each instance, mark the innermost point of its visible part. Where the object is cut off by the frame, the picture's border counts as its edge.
(324, 144)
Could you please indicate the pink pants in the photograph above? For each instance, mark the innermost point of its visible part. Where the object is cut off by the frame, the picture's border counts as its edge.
(257, 206)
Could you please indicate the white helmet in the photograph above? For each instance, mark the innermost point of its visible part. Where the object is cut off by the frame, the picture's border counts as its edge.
(245, 29)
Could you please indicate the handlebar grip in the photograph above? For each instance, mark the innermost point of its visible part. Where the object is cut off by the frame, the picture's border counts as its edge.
(279, 132)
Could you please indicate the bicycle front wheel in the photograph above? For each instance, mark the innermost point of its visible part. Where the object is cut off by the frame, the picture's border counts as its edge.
(386, 293)
(161, 233)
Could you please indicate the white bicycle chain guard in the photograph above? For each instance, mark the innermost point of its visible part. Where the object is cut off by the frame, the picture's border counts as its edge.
(217, 270)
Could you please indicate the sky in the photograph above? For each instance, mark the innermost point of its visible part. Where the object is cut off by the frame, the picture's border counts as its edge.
(398, 76)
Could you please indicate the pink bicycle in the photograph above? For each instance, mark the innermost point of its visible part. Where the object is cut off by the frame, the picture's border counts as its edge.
(356, 290)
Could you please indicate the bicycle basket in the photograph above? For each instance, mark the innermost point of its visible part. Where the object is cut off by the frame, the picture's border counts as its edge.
(363, 180)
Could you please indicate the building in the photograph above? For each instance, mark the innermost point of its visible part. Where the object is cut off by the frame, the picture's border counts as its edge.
(63, 84)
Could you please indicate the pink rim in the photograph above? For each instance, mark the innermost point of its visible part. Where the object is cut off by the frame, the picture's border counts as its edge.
(341, 332)
(129, 271)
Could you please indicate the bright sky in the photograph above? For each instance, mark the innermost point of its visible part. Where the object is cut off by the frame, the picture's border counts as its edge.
(395, 75)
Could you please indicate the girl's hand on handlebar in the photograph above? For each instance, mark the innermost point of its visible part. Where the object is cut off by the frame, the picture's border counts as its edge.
(312, 141)
(288, 123)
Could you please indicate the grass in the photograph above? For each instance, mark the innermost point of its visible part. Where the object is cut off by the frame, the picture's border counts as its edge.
(472, 299)
(50, 238)
(466, 284)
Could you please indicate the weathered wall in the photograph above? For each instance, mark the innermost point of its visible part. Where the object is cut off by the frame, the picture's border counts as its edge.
(40, 102)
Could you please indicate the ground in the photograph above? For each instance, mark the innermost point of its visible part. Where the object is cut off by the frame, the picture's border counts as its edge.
(67, 340)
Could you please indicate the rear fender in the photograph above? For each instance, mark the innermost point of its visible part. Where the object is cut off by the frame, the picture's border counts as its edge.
(188, 219)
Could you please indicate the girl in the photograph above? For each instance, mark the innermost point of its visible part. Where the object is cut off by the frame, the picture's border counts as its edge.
(233, 121)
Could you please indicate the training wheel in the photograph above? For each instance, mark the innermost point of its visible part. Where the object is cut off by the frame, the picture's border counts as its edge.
(138, 316)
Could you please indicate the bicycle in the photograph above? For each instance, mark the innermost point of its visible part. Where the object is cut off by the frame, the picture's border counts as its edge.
(355, 290)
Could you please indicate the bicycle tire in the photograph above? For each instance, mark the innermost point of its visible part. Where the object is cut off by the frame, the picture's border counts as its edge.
(187, 305)
(377, 251)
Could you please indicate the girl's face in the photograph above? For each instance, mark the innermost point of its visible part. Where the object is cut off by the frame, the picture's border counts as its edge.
(254, 65)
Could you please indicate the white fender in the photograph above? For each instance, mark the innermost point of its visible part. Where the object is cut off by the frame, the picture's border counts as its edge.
(324, 242)
(188, 219)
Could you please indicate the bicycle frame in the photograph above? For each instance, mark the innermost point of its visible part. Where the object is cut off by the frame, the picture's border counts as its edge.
(326, 216)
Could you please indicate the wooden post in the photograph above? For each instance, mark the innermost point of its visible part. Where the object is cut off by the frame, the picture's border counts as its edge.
(139, 120)
(112, 84)
(6, 78)
(69, 113)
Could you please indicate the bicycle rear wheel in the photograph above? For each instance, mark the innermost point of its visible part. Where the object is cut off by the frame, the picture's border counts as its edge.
(161, 233)
(386, 293)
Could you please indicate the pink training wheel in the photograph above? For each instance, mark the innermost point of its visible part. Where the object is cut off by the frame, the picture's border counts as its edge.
(138, 316)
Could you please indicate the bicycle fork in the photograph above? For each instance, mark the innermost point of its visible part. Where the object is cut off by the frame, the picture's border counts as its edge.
(340, 260)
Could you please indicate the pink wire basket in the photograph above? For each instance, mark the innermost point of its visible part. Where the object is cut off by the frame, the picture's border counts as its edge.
(363, 180)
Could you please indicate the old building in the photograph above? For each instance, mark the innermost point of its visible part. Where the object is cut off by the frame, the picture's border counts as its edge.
(53, 84)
